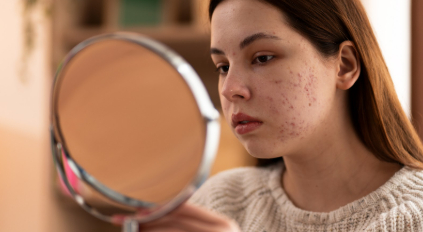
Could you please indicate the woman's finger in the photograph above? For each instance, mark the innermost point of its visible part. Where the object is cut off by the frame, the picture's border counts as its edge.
(188, 224)
(162, 228)
(181, 224)
(196, 212)
(192, 218)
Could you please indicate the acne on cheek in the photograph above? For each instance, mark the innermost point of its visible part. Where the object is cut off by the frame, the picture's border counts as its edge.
(293, 87)
(303, 83)
(286, 101)
(272, 107)
(294, 84)
(292, 129)
(288, 84)
(310, 87)
(306, 84)
(309, 90)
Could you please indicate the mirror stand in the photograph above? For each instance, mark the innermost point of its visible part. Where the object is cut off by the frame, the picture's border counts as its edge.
(130, 225)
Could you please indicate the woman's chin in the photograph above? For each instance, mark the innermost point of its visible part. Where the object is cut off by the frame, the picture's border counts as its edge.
(263, 152)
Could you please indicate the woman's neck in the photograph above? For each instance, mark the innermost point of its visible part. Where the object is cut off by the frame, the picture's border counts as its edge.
(325, 178)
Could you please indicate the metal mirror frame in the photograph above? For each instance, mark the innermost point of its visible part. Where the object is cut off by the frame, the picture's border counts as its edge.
(205, 106)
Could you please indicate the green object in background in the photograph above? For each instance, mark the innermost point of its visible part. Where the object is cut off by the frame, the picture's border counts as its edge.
(140, 12)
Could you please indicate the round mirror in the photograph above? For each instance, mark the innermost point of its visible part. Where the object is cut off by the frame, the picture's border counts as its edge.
(134, 132)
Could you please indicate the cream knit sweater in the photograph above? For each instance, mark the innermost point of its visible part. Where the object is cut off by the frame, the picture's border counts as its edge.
(254, 198)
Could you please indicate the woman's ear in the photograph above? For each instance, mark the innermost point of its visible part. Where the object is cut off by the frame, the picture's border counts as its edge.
(348, 65)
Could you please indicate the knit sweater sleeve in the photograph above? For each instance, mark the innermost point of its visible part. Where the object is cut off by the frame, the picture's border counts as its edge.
(228, 191)
(202, 197)
(216, 191)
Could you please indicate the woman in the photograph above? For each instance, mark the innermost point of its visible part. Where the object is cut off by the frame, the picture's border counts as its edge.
(305, 80)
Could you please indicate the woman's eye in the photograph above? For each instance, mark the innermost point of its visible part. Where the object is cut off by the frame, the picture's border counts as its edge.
(262, 59)
(223, 69)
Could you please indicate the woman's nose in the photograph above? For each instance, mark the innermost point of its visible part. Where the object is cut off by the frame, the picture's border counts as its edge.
(234, 88)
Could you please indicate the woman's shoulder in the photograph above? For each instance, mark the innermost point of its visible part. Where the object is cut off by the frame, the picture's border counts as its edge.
(402, 206)
(232, 186)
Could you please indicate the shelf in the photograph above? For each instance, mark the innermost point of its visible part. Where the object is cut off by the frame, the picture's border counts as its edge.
(185, 34)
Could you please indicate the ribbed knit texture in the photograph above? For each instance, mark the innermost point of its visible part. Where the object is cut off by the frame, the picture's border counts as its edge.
(254, 198)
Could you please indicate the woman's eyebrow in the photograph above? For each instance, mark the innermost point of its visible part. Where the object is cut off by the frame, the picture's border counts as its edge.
(250, 39)
(216, 51)
(247, 41)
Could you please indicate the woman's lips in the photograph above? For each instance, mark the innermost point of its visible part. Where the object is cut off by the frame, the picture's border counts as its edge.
(243, 123)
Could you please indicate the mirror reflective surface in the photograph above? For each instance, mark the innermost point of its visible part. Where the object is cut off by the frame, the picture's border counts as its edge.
(133, 130)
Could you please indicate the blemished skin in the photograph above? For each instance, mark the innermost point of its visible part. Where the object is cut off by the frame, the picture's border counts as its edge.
(280, 79)
(284, 98)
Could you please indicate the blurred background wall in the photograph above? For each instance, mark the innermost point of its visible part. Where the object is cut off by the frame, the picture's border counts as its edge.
(392, 25)
(36, 34)
(24, 85)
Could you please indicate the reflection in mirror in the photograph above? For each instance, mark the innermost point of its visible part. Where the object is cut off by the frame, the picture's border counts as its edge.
(130, 127)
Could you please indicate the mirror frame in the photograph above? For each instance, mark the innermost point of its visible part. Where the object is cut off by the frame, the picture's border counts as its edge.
(208, 112)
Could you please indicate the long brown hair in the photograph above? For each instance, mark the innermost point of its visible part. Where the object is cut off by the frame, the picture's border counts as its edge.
(375, 110)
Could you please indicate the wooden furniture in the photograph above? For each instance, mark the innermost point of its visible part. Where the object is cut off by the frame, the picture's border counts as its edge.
(416, 65)
(184, 28)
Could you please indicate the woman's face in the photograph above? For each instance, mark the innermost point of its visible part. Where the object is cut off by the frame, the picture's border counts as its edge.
(276, 90)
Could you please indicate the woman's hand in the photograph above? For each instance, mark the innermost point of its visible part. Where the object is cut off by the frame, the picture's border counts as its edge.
(191, 218)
